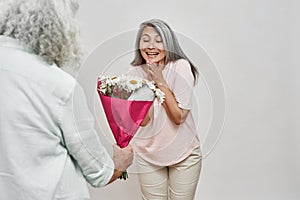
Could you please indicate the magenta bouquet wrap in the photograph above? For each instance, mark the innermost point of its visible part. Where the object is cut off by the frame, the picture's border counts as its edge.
(126, 101)
(124, 117)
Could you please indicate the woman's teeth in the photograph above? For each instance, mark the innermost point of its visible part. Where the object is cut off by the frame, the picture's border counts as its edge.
(152, 53)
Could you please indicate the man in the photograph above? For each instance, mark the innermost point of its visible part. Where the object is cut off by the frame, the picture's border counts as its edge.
(48, 144)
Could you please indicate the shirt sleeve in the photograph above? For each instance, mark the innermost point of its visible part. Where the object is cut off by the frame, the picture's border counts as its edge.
(135, 71)
(131, 71)
(183, 84)
(82, 141)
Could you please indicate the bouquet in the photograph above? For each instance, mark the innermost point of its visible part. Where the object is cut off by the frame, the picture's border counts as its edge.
(126, 101)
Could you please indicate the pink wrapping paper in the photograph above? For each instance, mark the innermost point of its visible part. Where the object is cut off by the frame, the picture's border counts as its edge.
(124, 117)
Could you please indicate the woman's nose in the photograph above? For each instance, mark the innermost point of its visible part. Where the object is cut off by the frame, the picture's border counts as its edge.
(151, 45)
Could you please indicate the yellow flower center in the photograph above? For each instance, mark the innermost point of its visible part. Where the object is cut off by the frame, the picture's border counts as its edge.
(133, 82)
(114, 77)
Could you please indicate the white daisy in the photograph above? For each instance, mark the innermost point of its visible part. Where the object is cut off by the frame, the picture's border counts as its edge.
(151, 85)
(160, 95)
(118, 86)
(133, 84)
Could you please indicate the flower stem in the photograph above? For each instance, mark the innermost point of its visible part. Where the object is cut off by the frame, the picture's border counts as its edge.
(124, 175)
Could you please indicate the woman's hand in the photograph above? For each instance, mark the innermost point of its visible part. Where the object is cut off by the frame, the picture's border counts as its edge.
(155, 72)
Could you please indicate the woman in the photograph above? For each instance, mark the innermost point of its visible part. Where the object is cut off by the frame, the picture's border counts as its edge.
(168, 149)
(48, 145)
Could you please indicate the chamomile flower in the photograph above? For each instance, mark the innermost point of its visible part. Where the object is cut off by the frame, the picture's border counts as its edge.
(151, 85)
(133, 83)
(115, 80)
(160, 95)
(123, 86)
(103, 86)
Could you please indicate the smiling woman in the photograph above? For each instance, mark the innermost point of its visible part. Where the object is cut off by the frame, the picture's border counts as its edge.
(167, 147)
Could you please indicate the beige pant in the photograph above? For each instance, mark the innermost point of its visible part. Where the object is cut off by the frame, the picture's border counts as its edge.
(176, 182)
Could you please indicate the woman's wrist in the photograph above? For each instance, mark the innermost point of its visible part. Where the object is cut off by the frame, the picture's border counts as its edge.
(162, 85)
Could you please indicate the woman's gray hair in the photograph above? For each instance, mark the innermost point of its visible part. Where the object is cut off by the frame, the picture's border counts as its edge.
(171, 44)
(45, 27)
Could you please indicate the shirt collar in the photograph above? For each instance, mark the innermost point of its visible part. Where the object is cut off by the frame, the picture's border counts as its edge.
(10, 42)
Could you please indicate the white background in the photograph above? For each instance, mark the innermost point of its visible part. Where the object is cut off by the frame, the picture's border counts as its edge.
(253, 44)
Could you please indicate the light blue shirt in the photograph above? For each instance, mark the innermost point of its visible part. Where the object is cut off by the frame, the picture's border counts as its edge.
(48, 144)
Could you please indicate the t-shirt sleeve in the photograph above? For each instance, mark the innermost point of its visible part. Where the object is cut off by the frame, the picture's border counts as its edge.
(82, 141)
(131, 71)
(135, 71)
(183, 84)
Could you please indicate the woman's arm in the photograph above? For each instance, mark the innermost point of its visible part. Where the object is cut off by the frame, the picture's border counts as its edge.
(148, 116)
(175, 113)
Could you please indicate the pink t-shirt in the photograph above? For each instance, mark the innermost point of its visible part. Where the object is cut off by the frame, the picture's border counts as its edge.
(161, 141)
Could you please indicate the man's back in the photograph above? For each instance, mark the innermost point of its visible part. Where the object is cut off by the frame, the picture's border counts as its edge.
(32, 149)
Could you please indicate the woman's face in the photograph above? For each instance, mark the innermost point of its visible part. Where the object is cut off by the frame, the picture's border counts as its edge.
(151, 46)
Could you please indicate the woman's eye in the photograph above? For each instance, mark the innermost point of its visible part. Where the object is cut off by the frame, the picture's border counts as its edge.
(146, 40)
(158, 39)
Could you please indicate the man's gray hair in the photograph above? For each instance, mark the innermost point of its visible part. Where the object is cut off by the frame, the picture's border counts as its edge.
(46, 27)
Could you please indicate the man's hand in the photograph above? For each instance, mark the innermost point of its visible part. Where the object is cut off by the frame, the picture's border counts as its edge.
(122, 160)
(122, 157)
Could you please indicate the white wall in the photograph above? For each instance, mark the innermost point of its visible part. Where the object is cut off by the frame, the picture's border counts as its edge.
(253, 45)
